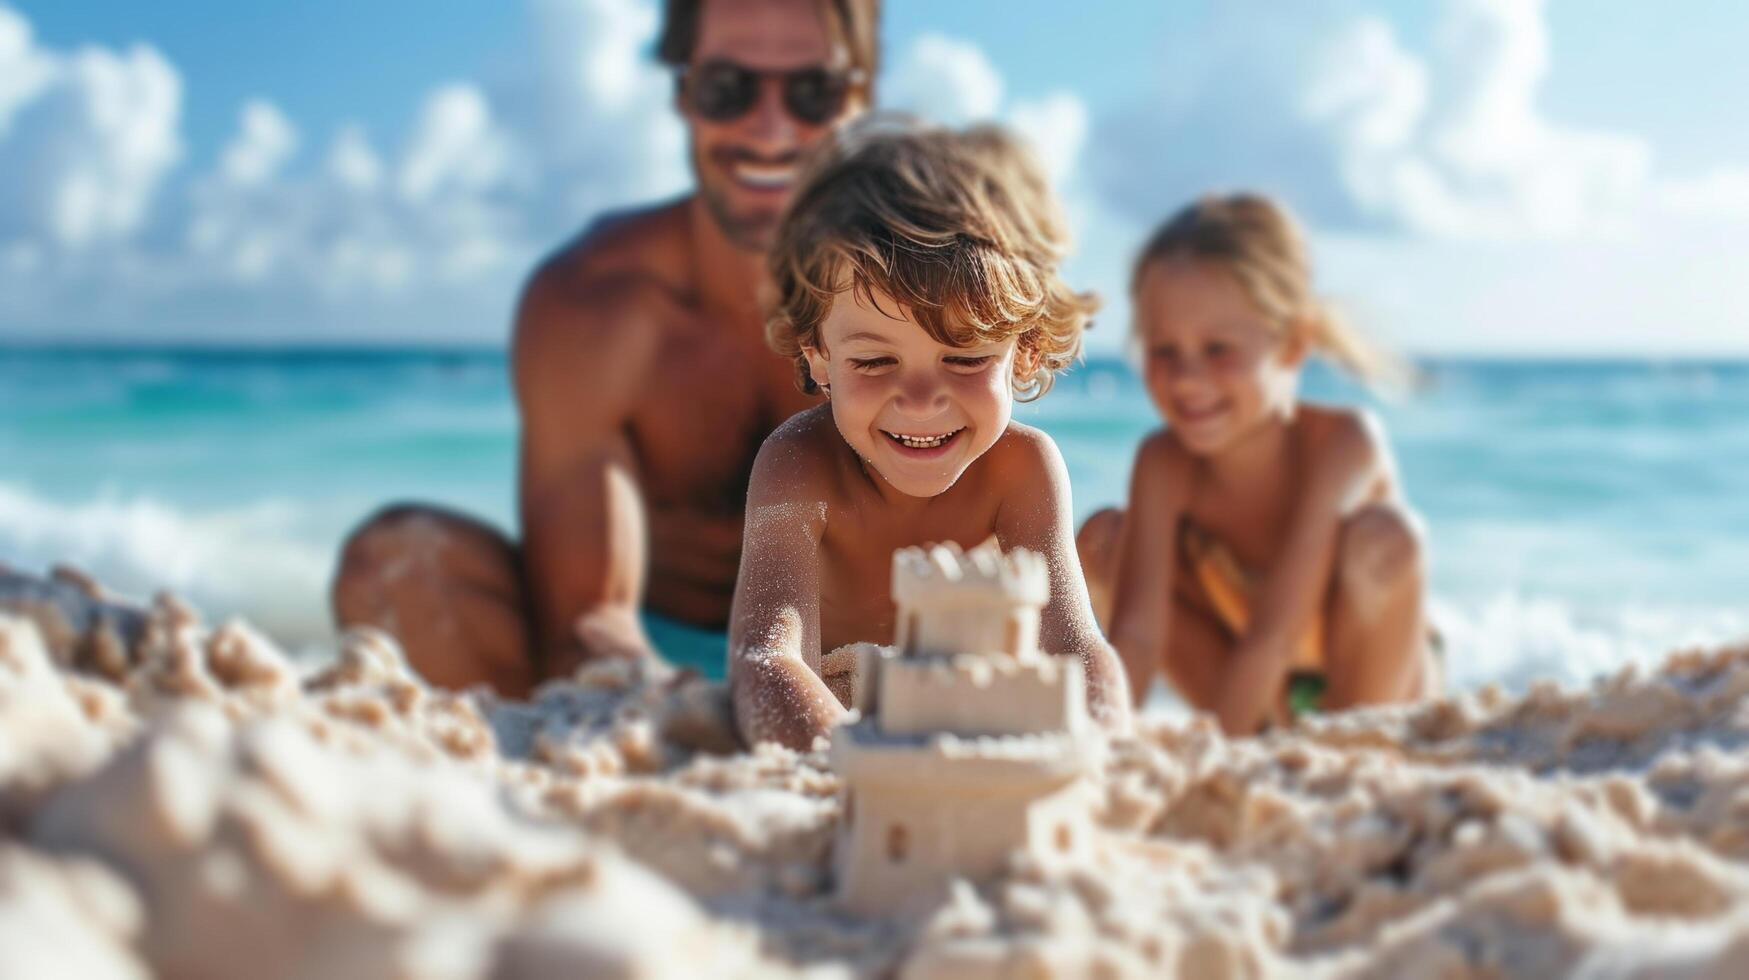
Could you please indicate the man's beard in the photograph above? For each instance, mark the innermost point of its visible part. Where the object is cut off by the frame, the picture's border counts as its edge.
(752, 231)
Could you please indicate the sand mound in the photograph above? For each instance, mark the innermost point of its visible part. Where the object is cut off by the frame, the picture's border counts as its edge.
(182, 800)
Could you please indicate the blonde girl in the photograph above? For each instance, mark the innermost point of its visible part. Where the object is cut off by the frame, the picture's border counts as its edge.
(1267, 561)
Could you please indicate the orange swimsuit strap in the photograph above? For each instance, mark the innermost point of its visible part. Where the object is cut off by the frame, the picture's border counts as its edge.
(1229, 587)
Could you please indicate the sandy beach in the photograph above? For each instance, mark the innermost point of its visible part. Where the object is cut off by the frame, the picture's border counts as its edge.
(183, 800)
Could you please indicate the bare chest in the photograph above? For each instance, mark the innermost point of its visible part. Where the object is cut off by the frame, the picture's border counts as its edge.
(715, 398)
(1252, 522)
(856, 563)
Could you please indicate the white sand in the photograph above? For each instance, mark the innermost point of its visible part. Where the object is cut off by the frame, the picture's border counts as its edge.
(182, 801)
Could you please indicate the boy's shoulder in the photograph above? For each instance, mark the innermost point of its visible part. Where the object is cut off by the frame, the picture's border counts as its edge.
(1023, 449)
(801, 452)
(809, 427)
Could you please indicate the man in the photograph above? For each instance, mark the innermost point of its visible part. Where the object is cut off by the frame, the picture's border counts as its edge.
(644, 385)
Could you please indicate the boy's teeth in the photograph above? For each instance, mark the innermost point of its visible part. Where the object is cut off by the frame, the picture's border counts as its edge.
(921, 442)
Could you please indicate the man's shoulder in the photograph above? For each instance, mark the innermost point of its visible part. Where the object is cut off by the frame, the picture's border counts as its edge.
(652, 242)
(609, 287)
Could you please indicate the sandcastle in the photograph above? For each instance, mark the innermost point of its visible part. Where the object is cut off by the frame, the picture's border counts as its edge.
(972, 744)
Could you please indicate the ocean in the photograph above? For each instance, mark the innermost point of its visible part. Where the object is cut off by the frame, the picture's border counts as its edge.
(1582, 515)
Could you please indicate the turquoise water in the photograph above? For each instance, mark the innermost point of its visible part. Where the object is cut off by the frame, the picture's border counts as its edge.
(1581, 515)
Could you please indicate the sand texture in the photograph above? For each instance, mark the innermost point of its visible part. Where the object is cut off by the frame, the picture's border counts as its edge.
(182, 800)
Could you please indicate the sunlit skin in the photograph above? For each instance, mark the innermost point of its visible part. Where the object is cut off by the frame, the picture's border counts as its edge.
(1305, 496)
(834, 494)
(624, 340)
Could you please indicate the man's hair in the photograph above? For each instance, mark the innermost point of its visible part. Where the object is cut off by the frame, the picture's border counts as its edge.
(959, 228)
(855, 22)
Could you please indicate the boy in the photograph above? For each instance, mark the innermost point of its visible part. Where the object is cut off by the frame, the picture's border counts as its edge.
(917, 288)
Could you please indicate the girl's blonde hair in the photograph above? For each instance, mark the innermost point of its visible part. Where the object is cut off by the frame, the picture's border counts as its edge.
(1261, 244)
(959, 228)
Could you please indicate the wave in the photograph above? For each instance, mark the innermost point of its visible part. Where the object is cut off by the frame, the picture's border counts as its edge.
(1514, 640)
(258, 561)
(270, 562)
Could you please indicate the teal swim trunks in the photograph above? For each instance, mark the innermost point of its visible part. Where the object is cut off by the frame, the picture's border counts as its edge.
(687, 646)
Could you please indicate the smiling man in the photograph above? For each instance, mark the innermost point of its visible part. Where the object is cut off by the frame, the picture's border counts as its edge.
(644, 384)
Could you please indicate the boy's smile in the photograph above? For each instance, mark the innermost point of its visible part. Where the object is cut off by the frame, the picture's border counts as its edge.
(916, 410)
(921, 446)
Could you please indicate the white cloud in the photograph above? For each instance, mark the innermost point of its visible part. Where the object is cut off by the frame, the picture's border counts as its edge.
(24, 70)
(1719, 195)
(953, 82)
(85, 139)
(353, 163)
(267, 139)
(491, 172)
(1332, 111)
(944, 79)
(594, 110)
(455, 149)
(1056, 126)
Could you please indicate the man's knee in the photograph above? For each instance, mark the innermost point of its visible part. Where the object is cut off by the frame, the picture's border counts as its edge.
(401, 544)
(1379, 550)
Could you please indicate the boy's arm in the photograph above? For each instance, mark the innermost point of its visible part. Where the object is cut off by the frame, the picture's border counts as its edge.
(774, 627)
(1036, 514)
(1142, 607)
(581, 358)
(1289, 594)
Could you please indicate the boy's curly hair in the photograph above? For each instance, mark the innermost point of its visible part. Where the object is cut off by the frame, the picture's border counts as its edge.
(957, 227)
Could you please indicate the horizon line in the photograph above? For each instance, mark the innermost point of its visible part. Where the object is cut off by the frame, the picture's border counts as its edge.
(184, 346)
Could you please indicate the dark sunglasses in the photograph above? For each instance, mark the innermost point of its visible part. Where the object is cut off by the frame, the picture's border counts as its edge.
(723, 90)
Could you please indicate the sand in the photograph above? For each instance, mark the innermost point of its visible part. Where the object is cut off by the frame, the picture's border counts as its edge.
(183, 800)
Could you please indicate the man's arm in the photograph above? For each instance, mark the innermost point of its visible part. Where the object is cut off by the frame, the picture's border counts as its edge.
(774, 628)
(1037, 515)
(582, 357)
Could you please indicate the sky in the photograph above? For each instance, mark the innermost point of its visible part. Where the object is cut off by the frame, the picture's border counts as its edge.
(1517, 177)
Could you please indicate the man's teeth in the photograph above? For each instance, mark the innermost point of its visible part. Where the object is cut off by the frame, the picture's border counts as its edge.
(765, 176)
(922, 442)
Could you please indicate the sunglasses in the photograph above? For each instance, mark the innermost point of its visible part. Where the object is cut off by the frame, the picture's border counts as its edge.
(721, 91)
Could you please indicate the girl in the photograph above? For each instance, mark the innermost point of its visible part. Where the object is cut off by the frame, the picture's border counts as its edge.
(1267, 562)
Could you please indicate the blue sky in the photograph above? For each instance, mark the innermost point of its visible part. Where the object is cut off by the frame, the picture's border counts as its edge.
(1504, 176)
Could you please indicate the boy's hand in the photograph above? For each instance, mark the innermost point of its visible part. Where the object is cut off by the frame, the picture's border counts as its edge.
(778, 698)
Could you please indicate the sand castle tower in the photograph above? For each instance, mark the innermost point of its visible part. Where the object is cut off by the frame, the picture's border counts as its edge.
(972, 743)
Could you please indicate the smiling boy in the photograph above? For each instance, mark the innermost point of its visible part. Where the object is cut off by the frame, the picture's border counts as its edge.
(917, 288)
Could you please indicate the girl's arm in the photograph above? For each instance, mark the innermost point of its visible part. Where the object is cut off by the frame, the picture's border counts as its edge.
(774, 626)
(1142, 605)
(1290, 592)
(1036, 514)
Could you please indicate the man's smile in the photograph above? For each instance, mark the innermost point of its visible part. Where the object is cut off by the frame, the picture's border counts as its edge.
(763, 176)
